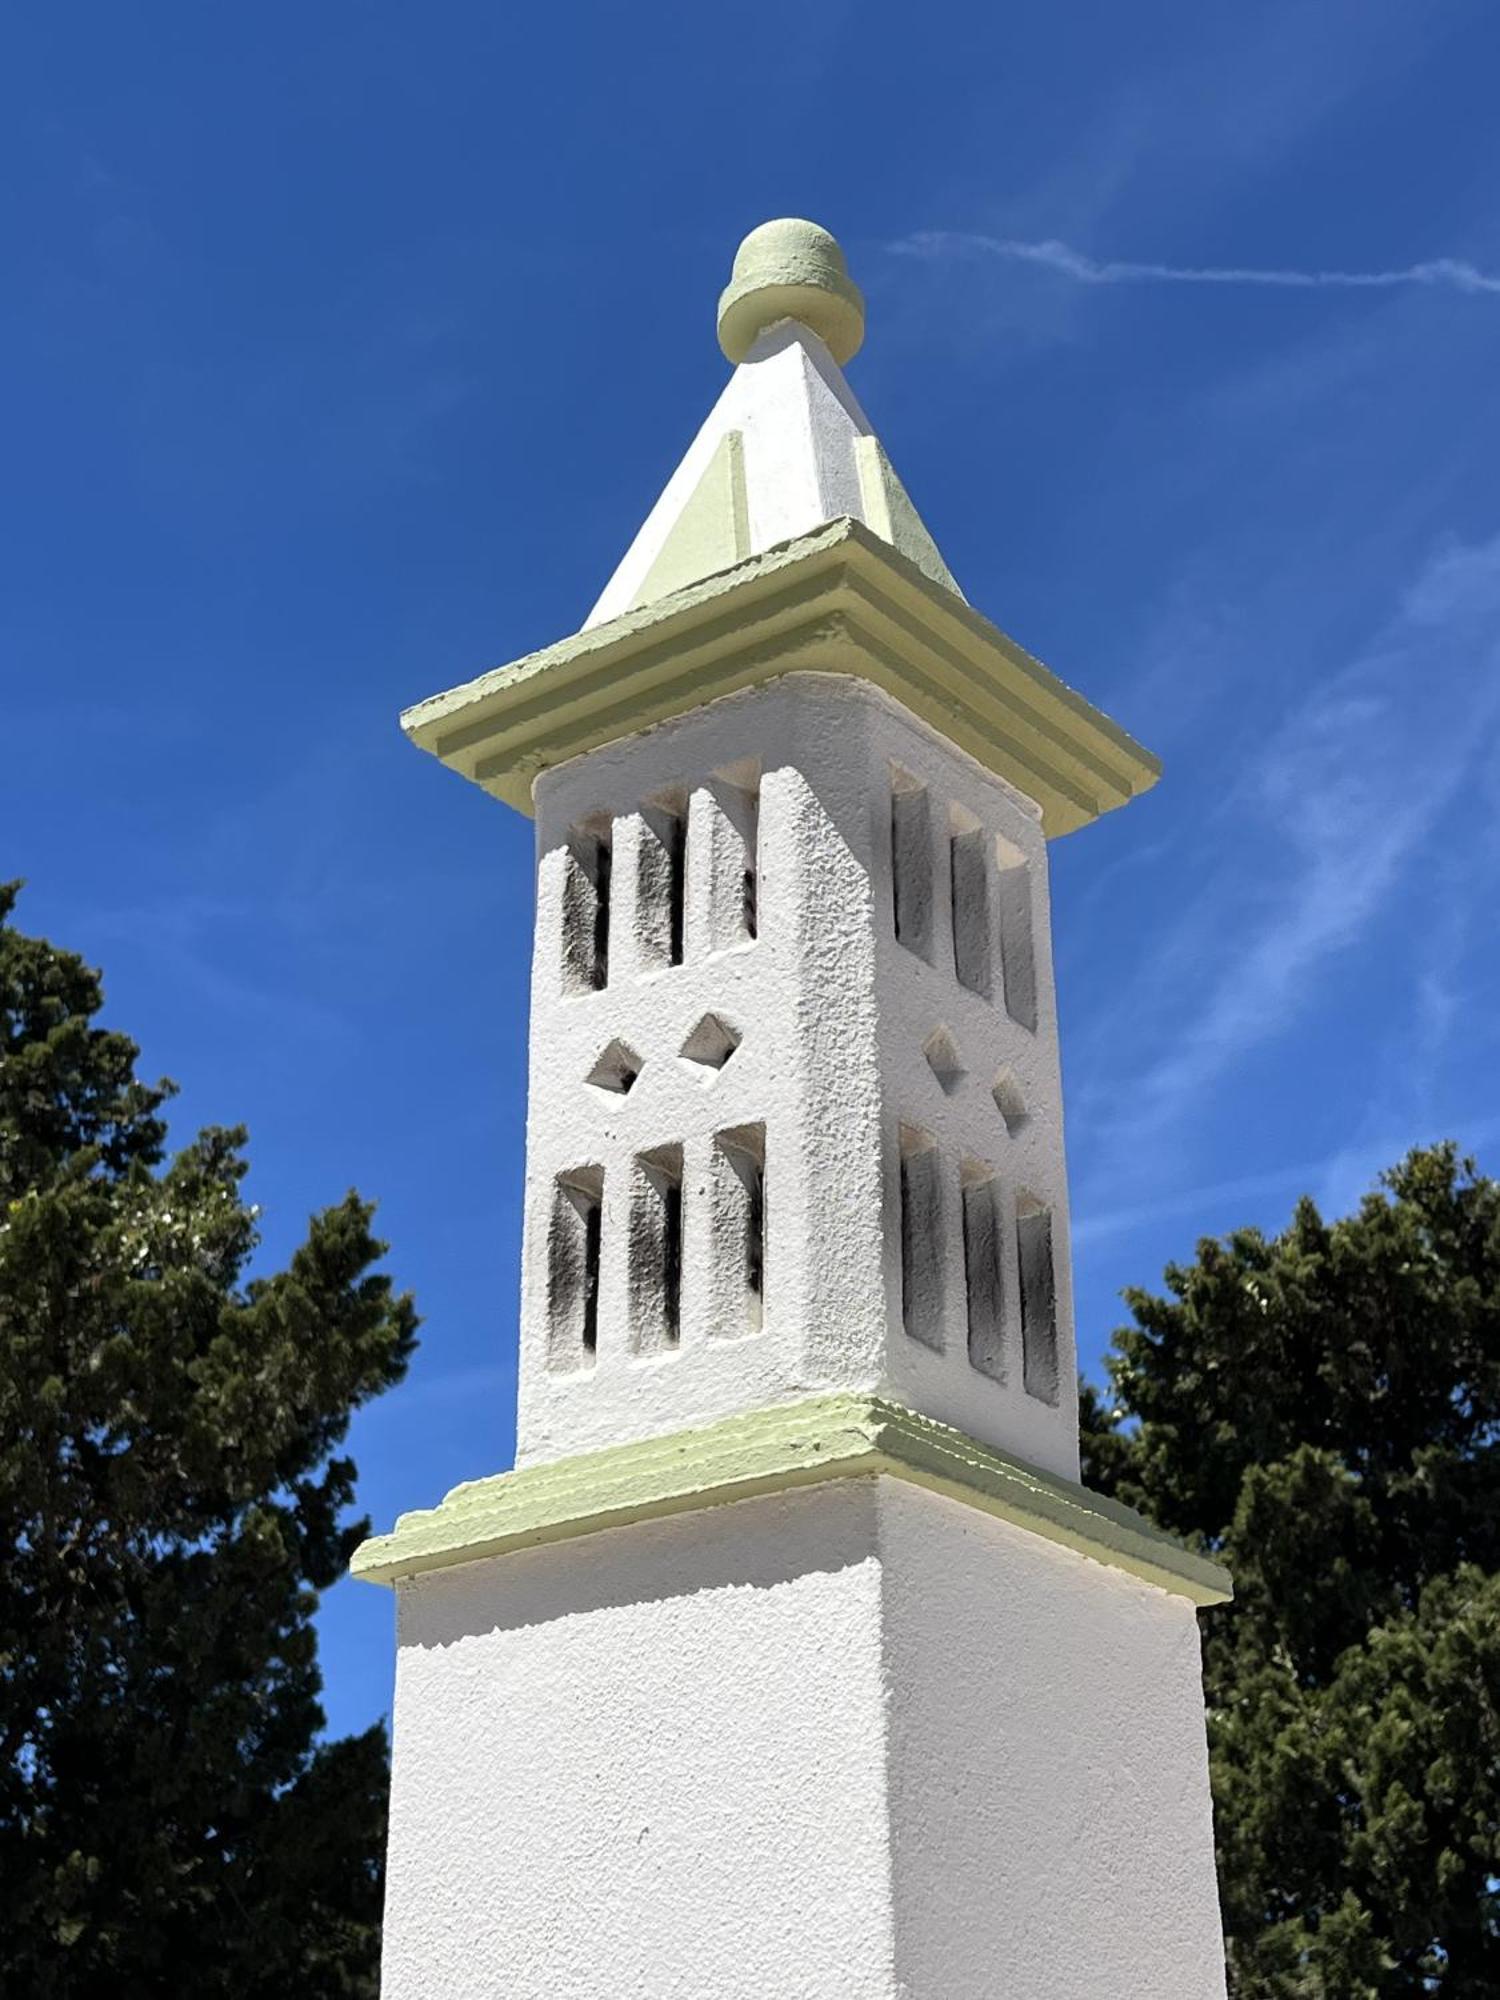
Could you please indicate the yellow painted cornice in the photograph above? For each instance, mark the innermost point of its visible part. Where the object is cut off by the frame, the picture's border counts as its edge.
(773, 1450)
(836, 601)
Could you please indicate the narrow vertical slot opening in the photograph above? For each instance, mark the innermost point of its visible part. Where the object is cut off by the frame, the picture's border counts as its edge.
(911, 863)
(671, 1259)
(725, 862)
(661, 883)
(969, 884)
(982, 1271)
(656, 1251)
(1038, 1298)
(585, 908)
(921, 1239)
(755, 1239)
(574, 1238)
(603, 864)
(740, 1224)
(676, 845)
(750, 882)
(1017, 939)
(593, 1236)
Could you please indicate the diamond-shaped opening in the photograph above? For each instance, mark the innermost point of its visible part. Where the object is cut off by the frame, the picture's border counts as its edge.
(616, 1070)
(1009, 1102)
(710, 1045)
(943, 1060)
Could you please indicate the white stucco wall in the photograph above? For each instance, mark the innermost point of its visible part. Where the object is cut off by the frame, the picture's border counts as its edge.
(647, 1764)
(844, 1744)
(1049, 1798)
(833, 1016)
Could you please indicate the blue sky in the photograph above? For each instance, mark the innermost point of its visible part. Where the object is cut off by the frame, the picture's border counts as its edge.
(344, 348)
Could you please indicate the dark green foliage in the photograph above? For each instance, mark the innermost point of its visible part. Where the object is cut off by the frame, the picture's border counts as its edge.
(170, 1504)
(1324, 1409)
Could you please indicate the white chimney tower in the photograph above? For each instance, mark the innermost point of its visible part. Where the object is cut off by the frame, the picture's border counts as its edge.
(792, 1659)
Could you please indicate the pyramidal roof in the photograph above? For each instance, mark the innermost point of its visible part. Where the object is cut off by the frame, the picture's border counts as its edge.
(787, 447)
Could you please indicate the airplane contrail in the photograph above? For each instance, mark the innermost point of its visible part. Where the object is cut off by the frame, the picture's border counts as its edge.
(1436, 273)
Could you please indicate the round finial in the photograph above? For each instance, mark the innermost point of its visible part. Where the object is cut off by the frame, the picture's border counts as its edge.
(791, 270)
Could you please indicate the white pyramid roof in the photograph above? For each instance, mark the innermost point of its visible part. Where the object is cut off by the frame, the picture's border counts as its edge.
(785, 449)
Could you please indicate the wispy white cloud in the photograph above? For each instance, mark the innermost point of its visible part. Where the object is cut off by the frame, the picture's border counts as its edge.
(1200, 1203)
(1335, 1182)
(1334, 815)
(1437, 273)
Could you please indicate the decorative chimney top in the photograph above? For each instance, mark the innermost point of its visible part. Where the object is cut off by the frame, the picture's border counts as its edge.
(792, 1657)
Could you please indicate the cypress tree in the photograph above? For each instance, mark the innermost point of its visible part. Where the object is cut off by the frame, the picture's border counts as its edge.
(172, 1500)
(1323, 1408)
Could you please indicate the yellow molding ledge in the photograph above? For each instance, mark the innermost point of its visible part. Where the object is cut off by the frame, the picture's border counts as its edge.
(836, 601)
(765, 1451)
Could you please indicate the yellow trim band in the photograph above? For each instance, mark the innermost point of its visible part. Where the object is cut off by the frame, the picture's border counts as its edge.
(769, 1451)
(836, 601)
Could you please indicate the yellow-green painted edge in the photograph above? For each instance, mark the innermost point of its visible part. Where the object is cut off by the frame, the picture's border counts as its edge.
(711, 533)
(888, 510)
(845, 1436)
(839, 601)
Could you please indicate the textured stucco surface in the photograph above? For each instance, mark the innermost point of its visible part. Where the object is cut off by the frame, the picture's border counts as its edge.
(649, 1764)
(1048, 1770)
(847, 1742)
(833, 1016)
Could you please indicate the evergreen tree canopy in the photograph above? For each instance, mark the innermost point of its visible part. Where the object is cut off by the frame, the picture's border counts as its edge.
(1324, 1410)
(171, 1502)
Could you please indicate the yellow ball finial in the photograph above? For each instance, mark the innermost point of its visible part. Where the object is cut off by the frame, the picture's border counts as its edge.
(791, 270)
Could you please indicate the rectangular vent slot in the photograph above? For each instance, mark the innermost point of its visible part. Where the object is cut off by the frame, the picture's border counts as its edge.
(661, 885)
(969, 880)
(1017, 943)
(1038, 1298)
(921, 1240)
(585, 909)
(740, 1227)
(574, 1234)
(911, 863)
(656, 1251)
(725, 882)
(676, 846)
(750, 879)
(983, 1281)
